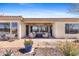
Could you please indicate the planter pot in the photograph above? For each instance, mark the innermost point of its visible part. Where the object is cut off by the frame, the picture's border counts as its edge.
(28, 48)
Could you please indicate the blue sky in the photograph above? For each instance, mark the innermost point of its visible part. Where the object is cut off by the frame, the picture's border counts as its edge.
(37, 10)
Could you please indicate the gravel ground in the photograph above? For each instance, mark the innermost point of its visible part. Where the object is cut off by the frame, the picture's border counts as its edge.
(36, 52)
(47, 52)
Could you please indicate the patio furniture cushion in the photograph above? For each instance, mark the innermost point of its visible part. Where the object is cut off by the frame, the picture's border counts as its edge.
(39, 35)
(32, 35)
(45, 35)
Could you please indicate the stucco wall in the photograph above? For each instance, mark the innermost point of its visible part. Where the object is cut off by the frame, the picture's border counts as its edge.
(59, 30)
(23, 30)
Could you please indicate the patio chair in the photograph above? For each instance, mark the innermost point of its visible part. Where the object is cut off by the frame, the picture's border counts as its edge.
(45, 35)
(0, 38)
(4, 38)
(39, 35)
(8, 36)
(12, 36)
(32, 35)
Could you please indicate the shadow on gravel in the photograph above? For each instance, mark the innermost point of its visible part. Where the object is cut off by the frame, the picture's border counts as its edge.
(22, 50)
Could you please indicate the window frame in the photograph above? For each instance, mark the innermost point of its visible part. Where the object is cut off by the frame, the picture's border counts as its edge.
(3, 24)
(73, 28)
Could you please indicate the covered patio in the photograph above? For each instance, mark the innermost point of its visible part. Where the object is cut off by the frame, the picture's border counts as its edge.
(37, 28)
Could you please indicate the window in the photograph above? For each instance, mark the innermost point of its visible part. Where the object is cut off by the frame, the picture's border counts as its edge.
(4, 28)
(35, 28)
(71, 28)
(44, 29)
(39, 28)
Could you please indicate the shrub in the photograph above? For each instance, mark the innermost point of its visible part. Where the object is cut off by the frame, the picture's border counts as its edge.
(30, 42)
(8, 53)
(76, 41)
(68, 48)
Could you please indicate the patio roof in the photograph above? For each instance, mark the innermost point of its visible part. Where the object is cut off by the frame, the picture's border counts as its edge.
(52, 19)
(2, 17)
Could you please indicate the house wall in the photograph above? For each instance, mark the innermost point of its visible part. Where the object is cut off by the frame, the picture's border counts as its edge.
(23, 30)
(59, 30)
(53, 29)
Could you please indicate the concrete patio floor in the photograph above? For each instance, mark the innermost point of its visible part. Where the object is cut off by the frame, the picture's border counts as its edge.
(37, 43)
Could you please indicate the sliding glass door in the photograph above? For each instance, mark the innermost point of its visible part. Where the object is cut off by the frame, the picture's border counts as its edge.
(14, 29)
(4, 28)
(9, 28)
(39, 29)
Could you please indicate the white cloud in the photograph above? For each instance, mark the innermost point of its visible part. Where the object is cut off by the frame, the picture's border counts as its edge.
(43, 14)
(50, 14)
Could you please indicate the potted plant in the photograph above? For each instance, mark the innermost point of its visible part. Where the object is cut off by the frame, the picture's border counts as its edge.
(28, 45)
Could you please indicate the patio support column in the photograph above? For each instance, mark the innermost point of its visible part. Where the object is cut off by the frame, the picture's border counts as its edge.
(53, 28)
(48, 29)
(19, 31)
(10, 28)
(29, 29)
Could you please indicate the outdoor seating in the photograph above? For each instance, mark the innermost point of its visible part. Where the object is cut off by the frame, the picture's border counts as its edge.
(0, 37)
(6, 37)
(32, 35)
(39, 35)
(12, 36)
(3, 37)
(45, 35)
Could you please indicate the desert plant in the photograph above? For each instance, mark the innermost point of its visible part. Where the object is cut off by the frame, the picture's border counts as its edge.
(46, 44)
(76, 41)
(68, 48)
(8, 52)
(30, 42)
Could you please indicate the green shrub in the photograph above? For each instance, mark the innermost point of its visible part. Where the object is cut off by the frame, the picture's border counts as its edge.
(68, 48)
(30, 42)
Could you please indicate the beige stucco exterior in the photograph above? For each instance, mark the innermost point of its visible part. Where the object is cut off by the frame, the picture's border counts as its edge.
(59, 30)
(58, 25)
(23, 30)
